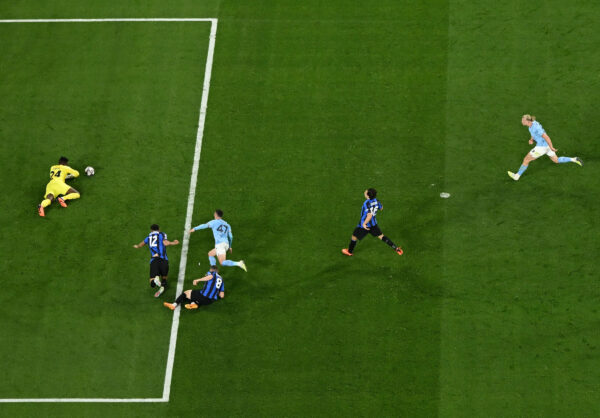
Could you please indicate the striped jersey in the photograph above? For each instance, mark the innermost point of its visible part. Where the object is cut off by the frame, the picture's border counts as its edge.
(214, 286)
(154, 241)
(370, 206)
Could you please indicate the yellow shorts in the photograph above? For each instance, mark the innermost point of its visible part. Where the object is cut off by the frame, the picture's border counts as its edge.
(56, 188)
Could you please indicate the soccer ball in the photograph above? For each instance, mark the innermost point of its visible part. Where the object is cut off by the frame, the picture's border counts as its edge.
(90, 171)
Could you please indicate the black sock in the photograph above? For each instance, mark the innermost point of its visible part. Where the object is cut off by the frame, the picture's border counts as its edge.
(152, 284)
(351, 246)
(388, 242)
(163, 282)
(181, 299)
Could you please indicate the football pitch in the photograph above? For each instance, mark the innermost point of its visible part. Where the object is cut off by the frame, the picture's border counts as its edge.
(283, 119)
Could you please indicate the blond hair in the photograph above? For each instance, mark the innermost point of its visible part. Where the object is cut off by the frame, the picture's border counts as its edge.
(529, 118)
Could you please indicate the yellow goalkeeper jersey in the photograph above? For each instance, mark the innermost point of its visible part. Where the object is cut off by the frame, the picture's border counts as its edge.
(59, 172)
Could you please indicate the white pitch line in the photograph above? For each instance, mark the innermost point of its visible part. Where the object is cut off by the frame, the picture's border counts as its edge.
(190, 208)
(142, 19)
(82, 400)
(188, 216)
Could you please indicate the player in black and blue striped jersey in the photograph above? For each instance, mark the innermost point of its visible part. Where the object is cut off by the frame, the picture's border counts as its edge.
(159, 262)
(214, 289)
(368, 224)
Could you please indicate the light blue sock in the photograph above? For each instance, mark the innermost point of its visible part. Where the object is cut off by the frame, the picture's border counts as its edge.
(229, 263)
(213, 261)
(522, 169)
(564, 159)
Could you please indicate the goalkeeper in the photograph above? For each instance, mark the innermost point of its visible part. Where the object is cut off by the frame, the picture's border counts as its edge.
(57, 188)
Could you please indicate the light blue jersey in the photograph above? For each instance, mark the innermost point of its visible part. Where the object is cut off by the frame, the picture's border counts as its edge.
(221, 231)
(537, 131)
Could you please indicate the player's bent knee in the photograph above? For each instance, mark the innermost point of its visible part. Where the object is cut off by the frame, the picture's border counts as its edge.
(380, 236)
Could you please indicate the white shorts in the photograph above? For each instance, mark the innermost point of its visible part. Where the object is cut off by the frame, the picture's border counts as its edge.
(222, 248)
(537, 152)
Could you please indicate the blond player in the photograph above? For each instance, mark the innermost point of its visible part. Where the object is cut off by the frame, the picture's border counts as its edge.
(57, 188)
(543, 146)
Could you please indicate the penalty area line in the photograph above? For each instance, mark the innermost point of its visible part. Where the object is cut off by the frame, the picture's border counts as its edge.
(190, 207)
(82, 400)
(188, 216)
(126, 19)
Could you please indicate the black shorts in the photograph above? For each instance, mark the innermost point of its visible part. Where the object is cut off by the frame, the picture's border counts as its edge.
(159, 267)
(199, 299)
(360, 233)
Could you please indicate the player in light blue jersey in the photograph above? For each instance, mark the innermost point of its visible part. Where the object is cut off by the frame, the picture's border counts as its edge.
(223, 240)
(543, 147)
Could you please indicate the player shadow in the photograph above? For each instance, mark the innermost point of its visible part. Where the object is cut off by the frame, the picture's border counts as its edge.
(538, 169)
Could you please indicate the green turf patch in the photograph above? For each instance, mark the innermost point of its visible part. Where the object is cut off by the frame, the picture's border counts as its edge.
(518, 324)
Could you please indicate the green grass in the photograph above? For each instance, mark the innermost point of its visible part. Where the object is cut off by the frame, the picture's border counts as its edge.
(492, 311)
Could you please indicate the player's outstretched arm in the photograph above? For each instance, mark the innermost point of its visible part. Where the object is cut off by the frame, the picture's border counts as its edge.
(549, 141)
(140, 245)
(201, 226)
(71, 173)
(168, 243)
(202, 279)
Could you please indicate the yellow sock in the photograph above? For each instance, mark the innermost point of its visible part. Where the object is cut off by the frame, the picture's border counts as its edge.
(71, 196)
(46, 203)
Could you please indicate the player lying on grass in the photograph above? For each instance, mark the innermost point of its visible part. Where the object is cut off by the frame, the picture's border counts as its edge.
(57, 188)
(223, 240)
(214, 288)
(543, 147)
(368, 224)
(159, 262)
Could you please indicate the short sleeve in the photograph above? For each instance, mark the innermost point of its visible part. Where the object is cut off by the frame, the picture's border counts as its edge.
(146, 240)
(539, 130)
